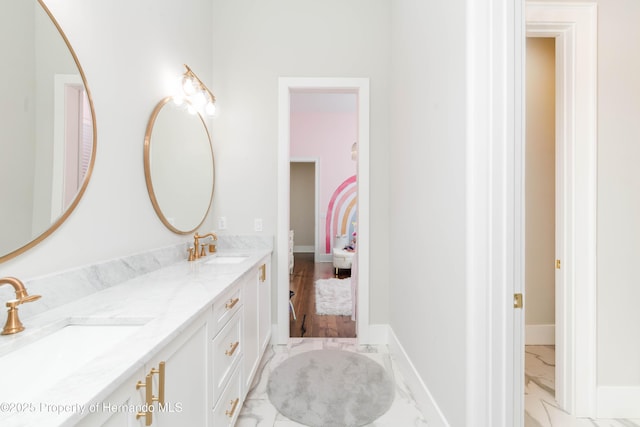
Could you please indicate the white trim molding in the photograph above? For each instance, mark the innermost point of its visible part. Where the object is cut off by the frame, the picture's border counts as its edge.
(309, 249)
(425, 401)
(540, 335)
(574, 27)
(495, 186)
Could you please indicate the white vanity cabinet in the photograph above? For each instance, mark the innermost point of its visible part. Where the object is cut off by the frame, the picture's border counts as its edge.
(226, 352)
(179, 375)
(264, 306)
(120, 408)
(255, 333)
(171, 390)
(257, 330)
(202, 376)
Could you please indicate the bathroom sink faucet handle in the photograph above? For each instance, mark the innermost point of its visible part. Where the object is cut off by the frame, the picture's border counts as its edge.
(14, 325)
(196, 243)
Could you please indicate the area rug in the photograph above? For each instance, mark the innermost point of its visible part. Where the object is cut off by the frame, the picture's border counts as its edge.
(331, 388)
(333, 297)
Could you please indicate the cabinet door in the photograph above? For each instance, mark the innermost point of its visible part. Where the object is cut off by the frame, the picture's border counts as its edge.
(250, 329)
(180, 386)
(121, 407)
(264, 305)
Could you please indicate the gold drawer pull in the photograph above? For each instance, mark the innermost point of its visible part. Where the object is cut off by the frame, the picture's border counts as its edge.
(234, 404)
(263, 272)
(231, 303)
(161, 373)
(148, 415)
(232, 348)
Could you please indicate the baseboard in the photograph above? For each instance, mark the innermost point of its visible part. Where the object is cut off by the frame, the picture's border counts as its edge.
(378, 335)
(303, 249)
(540, 335)
(618, 402)
(324, 258)
(421, 394)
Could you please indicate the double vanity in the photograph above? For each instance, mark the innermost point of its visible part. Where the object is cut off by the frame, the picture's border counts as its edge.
(151, 340)
(178, 346)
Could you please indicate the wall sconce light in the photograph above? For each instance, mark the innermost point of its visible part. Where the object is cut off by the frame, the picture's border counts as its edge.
(196, 93)
(354, 151)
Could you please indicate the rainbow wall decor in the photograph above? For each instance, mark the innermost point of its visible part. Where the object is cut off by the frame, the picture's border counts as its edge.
(342, 212)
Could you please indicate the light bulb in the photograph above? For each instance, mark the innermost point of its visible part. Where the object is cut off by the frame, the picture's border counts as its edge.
(191, 109)
(210, 108)
(178, 100)
(188, 85)
(199, 99)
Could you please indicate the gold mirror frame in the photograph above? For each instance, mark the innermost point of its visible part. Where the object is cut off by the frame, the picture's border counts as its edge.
(148, 173)
(54, 226)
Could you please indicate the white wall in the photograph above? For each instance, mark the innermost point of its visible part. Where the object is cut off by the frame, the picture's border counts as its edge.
(618, 193)
(255, 43)
(131, 52)
(427, 204)
(326, 133)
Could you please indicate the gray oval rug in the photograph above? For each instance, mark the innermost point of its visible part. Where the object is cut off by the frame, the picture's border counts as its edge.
(330, 388)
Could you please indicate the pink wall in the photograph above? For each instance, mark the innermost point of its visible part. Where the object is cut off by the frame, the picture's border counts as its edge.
(327, 136)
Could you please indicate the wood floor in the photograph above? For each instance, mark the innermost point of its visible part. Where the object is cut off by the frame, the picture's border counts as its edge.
(308, 323)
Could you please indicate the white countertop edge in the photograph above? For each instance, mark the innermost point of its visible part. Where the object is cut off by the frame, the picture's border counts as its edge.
(188, 289)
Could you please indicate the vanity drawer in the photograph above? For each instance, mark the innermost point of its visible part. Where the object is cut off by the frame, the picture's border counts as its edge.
(226, 351)
(226, 411)
(225, 307)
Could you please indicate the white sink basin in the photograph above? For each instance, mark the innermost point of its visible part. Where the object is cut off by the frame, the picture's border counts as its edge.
(227, 259)
(36, 366)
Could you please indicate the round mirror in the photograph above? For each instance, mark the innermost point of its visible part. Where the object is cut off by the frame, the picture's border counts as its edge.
(47, 127)
(179, 166)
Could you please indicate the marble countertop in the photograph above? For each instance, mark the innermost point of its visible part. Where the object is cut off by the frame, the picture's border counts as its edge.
(165, 301)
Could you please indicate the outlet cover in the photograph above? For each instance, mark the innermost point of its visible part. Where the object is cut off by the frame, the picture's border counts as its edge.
(257, 224)
(222, 223)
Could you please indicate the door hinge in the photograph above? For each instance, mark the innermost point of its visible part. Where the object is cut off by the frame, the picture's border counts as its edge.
(558, 264)
(517, 301)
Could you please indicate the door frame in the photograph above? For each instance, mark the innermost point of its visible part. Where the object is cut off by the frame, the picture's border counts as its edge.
(574, 26)
(360, 86)
(316, 197)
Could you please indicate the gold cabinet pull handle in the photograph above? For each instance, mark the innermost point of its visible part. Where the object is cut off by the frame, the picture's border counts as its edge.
(148, 392)
(234, 404)
(231, 303)
(232, 348)
(263, 272)
(160, 371)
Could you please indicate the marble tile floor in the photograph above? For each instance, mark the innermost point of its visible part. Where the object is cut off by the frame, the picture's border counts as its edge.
(541, 409)
(259, 412)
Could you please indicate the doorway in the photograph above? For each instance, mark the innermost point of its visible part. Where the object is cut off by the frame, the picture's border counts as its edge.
(359, 87)
(573, 27)
(323, 126)
(72, 140)
(542, 202)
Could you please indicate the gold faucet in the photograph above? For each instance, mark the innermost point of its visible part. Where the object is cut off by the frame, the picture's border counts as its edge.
(196, 244)
(13, 324)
